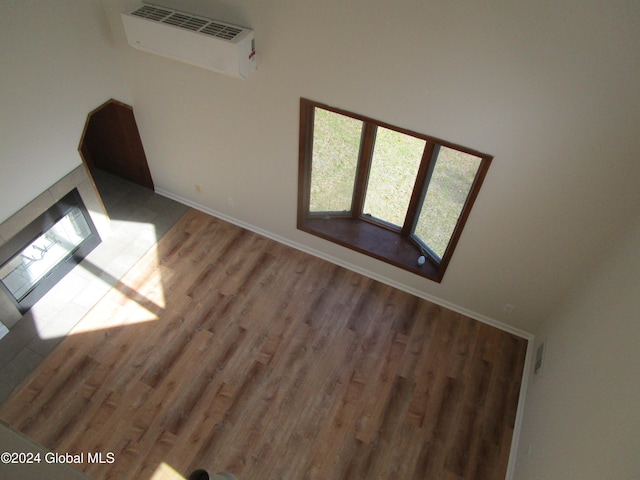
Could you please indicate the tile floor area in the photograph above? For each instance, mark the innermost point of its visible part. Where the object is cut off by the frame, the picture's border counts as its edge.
(139, 217)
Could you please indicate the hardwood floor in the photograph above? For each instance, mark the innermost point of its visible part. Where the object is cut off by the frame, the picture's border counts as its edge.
(225, 350)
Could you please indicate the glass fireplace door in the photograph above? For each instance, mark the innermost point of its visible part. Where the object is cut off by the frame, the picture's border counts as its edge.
(64, 235)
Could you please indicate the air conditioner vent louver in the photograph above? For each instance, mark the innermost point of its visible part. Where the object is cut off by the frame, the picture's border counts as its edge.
(184, 21)
(152, 13)
(222, 31)
(188, 22)
(200, 41)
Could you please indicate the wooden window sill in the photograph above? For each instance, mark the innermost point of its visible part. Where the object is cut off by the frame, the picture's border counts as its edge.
(372, 240)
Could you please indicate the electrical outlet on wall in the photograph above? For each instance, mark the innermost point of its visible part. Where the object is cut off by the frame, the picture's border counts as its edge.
(508, 308)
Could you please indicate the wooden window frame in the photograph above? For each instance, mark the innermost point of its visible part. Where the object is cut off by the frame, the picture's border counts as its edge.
(369, 235)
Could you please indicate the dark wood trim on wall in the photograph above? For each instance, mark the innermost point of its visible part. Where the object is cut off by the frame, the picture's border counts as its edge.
(111, 142)
(398, 245)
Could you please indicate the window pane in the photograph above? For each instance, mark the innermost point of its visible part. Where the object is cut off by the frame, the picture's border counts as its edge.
(394, 167)
(336, 144)
(446, 195)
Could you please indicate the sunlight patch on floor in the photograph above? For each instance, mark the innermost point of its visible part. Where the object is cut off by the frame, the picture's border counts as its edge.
(165, 472)
(103, 291)
(127, 302)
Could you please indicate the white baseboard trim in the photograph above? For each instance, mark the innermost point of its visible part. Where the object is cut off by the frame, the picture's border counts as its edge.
(399, 286)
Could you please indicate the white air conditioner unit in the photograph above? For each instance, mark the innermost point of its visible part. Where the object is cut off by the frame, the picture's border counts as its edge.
(192, 39)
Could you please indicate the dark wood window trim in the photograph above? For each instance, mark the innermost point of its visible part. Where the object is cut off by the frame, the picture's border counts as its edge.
(398, 246)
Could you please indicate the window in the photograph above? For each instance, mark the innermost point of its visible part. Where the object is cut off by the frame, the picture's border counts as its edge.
(393, 194)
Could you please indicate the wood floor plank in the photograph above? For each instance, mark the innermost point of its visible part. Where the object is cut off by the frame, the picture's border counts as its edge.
(224, 350)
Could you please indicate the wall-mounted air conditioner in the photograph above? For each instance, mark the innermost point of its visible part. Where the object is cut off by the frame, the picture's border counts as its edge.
(196, 40)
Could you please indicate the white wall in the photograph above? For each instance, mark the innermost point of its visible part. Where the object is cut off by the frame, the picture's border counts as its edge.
(550, 89)
(582, 415)
(58, 64)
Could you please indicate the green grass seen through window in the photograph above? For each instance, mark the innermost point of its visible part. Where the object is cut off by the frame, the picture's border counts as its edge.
(395, 164)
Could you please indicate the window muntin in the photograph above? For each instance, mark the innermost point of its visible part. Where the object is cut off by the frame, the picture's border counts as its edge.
(360, 178)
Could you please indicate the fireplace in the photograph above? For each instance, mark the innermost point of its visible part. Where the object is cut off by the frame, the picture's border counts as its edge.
(42, 253)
